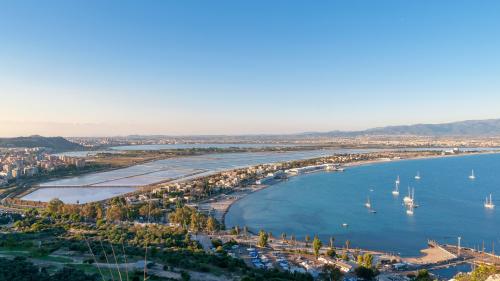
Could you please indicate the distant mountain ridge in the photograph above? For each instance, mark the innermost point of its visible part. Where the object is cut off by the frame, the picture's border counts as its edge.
(489, 127)
(54, 143)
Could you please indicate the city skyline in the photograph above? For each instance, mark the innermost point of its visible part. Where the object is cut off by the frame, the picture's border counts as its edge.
(244, 68)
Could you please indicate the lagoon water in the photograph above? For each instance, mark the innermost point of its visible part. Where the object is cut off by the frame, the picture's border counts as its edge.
(77, 194)
(451, 205)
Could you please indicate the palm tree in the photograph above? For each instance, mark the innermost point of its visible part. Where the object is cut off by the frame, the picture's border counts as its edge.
(283, 237)
(332, 239)
(308, 239)
(347, 244)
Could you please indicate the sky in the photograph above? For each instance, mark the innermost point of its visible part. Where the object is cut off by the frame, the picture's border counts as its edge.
(97, 68)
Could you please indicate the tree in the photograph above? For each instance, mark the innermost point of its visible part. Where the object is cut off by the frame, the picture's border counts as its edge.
(332, 239)
(55, 206)
(317, 246)
(283, 237)
(368, 260)
(115, 213)
(307, 239)
(423, 275)
(211, 225)
(331, 273)
(347, 244)
(365, 272)
(89, 211)
(331, 252)
(262, 238)
(245, 231)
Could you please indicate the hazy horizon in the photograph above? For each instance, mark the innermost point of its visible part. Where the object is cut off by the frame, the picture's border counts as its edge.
(93, 68)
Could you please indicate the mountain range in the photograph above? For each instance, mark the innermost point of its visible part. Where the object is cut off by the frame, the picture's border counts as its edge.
(489, 127)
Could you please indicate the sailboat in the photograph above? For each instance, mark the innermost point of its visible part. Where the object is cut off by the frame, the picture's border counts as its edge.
(368, 204)
(417, 177)
(396, 189)
(489, 203)
(397, 180)
(472, 176)
(409, 198)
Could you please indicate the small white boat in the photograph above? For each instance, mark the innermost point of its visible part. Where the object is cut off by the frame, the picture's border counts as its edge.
(488, 204)
(472, 176)
(396, 189)
(397, 180)
(417, 177)
(345, 225)
(373, 211)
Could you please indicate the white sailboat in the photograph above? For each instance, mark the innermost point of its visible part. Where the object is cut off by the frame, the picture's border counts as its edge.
(368, 204)
(409, 198)
(397, 180)
(417, 177)
(489, 203)
(396, 189)
(472, 176)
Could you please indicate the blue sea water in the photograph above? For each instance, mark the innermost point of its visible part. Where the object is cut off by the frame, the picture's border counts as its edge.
(450, 205)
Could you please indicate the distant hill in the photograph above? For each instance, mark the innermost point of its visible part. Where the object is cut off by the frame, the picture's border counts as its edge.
(490, 127)
(54, 143)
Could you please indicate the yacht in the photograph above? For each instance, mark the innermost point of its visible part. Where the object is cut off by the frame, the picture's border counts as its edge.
(417, 177)
(397, 180)
(368, 204)
(396, 189)
(489, 203)
(345, 225)
(472, 176)
(409, 198)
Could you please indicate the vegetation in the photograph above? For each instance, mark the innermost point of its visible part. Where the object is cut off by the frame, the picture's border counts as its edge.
(316, 246)
(19, 269)
(481, 273)
(263, 237)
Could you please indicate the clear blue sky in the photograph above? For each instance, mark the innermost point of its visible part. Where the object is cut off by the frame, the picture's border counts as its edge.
(207, 67)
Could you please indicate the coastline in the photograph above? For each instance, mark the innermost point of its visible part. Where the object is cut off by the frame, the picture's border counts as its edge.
(354, 164)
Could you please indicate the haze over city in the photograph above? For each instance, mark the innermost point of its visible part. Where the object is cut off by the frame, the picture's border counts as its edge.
(94, 68)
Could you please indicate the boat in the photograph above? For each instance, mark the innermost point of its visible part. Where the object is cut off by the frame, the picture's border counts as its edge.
(345, 225)
(396, 189)
(409, 198)
(472, 176)
(488, 204)
(368, 204)
(373, 211)
(417, 177)
(409, 210)
(398, 181)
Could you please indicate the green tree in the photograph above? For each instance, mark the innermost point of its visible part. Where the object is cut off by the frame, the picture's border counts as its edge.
(55, 206)
(317, 244)
(331, 273)
(263, 237)
(211, 225)
(368, 260)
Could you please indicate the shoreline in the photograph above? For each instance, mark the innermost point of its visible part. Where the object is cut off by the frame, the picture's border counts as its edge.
(358, 164)
(428, 255)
